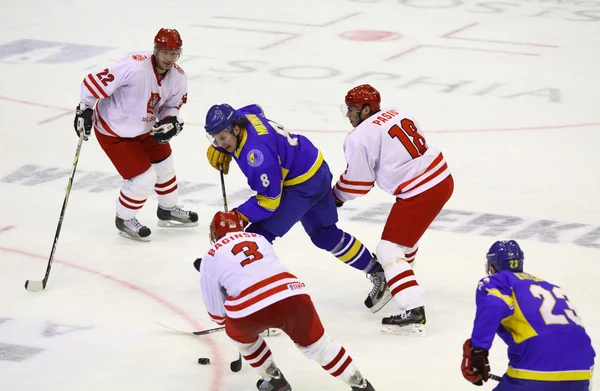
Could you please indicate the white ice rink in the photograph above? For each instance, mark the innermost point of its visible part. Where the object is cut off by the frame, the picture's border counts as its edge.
(509, 90)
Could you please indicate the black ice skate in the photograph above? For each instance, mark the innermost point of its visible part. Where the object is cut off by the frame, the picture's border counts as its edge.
(176, 217)
(409, 322)
(366, 386)
(275, 383)
(359, 383)
(132, 229)
(380, 294)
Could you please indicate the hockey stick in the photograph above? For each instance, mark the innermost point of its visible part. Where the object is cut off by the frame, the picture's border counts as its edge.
(201, 332)
(495, 377)
(34, 285)
(223, 188)
(235, 365)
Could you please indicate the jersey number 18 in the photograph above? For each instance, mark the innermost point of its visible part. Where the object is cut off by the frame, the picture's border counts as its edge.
(410, 138)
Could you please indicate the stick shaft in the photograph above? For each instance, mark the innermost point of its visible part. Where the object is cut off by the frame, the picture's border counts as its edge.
(35, 284)
(223, 188)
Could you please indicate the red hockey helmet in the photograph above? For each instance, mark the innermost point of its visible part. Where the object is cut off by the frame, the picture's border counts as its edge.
(168, 39)
(224, 223)
(364, 94)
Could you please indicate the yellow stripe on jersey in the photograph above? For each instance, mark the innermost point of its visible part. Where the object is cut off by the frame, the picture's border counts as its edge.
(507, 299)
(517, 325)
(242, 143)
(306, 176)
(352, 252)
(549, 376)
(268, 203)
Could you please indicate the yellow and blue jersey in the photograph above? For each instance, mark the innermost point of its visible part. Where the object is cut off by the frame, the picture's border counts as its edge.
(271, 158)
(545, 336)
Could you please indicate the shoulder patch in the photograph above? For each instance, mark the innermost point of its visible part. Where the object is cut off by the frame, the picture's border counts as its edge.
(139, 57)
(482, 282)
(255, 158)
(179, 69)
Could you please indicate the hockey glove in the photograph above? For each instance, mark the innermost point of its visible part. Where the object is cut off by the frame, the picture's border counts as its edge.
(197, 263)
(218, 158)
(475, 365)
(243, 220)
(166, 129)
(83, 121)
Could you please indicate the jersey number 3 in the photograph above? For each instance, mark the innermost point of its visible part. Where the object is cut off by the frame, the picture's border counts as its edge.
(409, 137)
(250, 250)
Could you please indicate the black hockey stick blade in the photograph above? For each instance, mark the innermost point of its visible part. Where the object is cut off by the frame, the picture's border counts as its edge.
(236, 365)
(209, 331)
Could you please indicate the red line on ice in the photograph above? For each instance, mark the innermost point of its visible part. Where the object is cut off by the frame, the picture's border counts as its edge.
(217, 378)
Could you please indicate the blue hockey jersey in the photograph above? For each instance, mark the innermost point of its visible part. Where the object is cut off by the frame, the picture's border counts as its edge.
(271, 158)
(545, 337)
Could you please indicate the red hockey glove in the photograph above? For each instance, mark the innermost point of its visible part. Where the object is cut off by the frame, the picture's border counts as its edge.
(475, 365)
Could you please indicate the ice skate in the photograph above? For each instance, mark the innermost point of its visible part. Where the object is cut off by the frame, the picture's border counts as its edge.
(409, 322)
(380, 294)
(176, 217)
(132, 229)
(275, 383)
(359, 383)
(366, 386)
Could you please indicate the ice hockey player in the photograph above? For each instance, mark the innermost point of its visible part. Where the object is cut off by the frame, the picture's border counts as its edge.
(293, 184)
(133, 107)
(388, 147)
(248, 290)
(548, 348)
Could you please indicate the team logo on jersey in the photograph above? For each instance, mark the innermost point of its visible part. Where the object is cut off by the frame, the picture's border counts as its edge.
(295, 286)
(152, 102)
(139, 57)
(179, 69)
(255, 158)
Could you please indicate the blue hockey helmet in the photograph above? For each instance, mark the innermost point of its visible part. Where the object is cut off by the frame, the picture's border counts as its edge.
(505, 255)
(219, 118)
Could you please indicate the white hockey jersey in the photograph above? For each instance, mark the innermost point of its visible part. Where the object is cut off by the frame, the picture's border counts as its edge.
(241, 274)
(389, 148)
(131, 96)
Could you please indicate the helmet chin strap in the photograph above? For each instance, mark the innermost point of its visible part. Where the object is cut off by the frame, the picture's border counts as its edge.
(360, 120)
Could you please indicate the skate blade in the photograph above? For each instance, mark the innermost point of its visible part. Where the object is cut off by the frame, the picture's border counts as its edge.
(175, 224)
(270, 332)
(387, 296)
(411, 330)
(138, 238)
